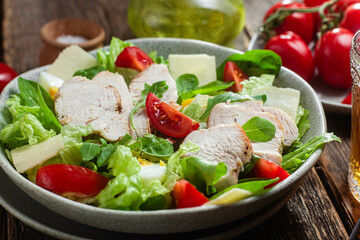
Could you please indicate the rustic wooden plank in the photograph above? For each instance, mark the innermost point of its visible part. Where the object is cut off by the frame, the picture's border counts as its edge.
(3, 223)
(19, 230)
(309, 214)
(20, 23)
(334, 166)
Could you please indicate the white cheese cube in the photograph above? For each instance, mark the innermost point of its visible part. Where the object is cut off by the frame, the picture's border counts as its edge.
(202, 66)
(29, 156)
(287, 99)
(70, 60)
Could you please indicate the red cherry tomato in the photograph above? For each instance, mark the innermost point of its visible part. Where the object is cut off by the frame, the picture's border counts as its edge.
(314, 3)
(185, 195)
(266, 169)
(294, 53)
(133, 57)
(64, 178)
(332, 57)
(167, 119)
(342, 5)
(347, 100)
(351, 18)
(6, 75)
(233, 73)
(299, 23)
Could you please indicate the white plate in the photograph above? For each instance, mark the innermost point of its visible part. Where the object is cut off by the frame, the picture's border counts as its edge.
(330, 98)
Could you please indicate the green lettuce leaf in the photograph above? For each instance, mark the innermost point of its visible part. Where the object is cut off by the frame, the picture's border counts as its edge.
(126, 191)
(107, 59)
(173, 167)
(256, 82)
(25, 128)
(90, 72)
(254, 185)
(202, 174)
(296, 158)
(254, 63)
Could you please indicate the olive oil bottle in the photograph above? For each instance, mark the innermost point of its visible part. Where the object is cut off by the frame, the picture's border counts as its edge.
(217, 21)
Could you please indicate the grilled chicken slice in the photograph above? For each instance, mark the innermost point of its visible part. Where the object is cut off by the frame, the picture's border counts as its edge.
(141, 123)
(80, 101)
(154, 73)
(291, 131)
(223, 143)
(224, 113)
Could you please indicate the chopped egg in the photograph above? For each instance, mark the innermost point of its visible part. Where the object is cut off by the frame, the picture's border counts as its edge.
(50, 83)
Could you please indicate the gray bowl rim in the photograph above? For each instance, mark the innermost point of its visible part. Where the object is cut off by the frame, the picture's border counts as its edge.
(281, 187)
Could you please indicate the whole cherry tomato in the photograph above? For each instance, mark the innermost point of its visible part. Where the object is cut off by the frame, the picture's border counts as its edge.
(233, 73)
(133, 57)
(351, 18)
(342, 5)
(347, 99)
(6, 75)
(332, 57)
(64, 178)
(167, 119)
(294, 53)
(299, 23)
(314, 3)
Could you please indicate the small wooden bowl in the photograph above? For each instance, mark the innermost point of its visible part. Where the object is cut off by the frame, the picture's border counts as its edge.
(68, 26)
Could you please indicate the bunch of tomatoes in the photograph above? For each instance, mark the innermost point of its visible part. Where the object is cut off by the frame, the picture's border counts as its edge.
(314, 34)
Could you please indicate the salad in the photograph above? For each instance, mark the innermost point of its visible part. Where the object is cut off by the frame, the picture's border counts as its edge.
(131, 130)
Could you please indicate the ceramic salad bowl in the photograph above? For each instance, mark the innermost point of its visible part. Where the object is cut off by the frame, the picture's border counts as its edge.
(173, 220)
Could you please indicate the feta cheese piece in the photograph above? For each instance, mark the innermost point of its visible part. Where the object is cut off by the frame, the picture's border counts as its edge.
(287, 99)
(70, 60)
(202, 66)
(29, 156)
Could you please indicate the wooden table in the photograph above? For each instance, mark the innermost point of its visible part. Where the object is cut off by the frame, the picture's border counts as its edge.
(322, 207)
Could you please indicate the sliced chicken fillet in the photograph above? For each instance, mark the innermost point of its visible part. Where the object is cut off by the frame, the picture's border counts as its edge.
(223, 143)
(291, 131)
(154, 73)
(141, 123)
(80, 101)
(224, 113)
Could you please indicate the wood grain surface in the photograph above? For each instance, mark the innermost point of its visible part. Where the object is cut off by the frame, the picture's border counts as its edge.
(322, 207)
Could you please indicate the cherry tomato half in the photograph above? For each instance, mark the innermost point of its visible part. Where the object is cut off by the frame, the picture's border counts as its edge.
(299, 23)
(186, 195)
(294, 53)
(332, 57)
(167, 119)
(6, 75)
(351, 18)
(233, 73)
(64, 178)
(266, 169)
(133, 57)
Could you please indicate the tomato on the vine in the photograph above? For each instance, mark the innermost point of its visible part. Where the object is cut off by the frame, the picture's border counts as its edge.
(232, 73)
(6, 75)
(294, 53)
(314, 3)
(167, 119)
(342, 5)
(351, 18)
(299, 23)
(133, 57)
(332, 57)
